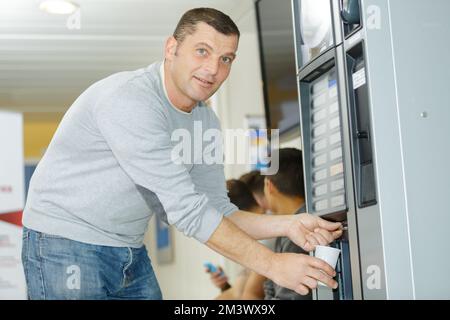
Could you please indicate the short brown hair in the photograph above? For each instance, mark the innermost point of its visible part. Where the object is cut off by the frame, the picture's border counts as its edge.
(240, 195)
(289, 178)
(255, 181)
(215, 18)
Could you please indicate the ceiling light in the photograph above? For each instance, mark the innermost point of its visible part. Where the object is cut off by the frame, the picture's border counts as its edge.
(58, 6)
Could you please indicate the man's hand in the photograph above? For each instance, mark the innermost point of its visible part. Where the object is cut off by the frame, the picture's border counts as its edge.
(294, 271)
(300, 272)
(307, 231)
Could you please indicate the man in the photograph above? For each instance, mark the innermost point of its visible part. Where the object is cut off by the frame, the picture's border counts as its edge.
(110, 167)
(285, 193)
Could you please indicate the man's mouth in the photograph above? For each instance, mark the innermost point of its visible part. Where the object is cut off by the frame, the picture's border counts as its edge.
(203, 82)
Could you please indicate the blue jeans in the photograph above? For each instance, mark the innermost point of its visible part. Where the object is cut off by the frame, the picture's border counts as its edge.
(59, 268)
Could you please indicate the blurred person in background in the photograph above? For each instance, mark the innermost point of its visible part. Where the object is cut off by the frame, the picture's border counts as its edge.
(255, 181)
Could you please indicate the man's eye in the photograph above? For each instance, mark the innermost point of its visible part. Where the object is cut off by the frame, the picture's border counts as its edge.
(201, 51)
(226, 60)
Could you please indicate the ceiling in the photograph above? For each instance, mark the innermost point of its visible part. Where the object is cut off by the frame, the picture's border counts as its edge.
(44, 65)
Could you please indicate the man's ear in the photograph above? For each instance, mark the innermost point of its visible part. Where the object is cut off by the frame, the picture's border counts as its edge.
(170, 48)
(271, 187)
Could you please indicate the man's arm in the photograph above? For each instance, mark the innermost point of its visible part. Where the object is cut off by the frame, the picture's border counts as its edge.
(295, 271)
(260, 226)
(305, 230)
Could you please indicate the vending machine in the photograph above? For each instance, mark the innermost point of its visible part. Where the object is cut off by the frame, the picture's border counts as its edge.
(375, 119)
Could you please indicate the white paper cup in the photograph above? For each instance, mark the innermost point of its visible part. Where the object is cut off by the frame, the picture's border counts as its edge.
(328, 254)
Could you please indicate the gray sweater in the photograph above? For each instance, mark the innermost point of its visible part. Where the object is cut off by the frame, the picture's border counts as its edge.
(109, 167)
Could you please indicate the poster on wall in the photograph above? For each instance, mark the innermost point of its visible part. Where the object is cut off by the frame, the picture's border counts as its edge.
(258, 143)
(12, 279)
(11, 162)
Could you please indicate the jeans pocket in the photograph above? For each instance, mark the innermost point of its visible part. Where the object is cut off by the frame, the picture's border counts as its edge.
(70, 269)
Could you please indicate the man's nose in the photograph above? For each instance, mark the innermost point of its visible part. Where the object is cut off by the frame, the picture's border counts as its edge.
(212, 66)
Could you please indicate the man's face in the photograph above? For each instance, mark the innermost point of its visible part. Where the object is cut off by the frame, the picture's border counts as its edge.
(202, 62)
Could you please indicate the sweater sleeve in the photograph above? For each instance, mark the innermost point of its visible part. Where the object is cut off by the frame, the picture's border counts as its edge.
(136, 129)
(210, 180)
(209, 177)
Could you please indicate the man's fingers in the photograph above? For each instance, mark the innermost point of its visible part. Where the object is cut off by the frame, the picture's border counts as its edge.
(310, 243)
(322, 277)
(328, 225)
(308, 247)
(322, 265)
(302, 290)
(311, 240)
(310, 282)
(320, 238)
(337, 234)
(329, 237)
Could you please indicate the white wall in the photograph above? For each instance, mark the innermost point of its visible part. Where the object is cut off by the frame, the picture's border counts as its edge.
(239, 96)
(184, 278)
